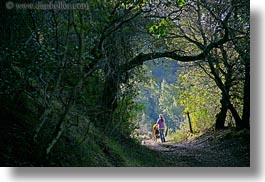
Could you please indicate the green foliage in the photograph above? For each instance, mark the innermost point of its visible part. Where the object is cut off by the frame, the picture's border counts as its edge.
(180, 136)
(169, 106)
(181, 3)
(160, 29)
(199, 96)
(184, 135)
(125, 116)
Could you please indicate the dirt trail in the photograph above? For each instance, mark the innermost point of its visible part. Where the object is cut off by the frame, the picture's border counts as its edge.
(214, 151)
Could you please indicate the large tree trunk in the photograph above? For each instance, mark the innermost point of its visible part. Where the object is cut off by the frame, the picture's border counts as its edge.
(109, 103)
(225, 87)
(109, 100)
(220, 117)
(246, 107)
(235, 115)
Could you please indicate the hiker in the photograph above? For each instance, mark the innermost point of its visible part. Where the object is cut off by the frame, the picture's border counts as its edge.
(161, 127)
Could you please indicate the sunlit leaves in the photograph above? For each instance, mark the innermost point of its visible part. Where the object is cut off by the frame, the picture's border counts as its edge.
(159, 29)
(199, 96)
(181, 3)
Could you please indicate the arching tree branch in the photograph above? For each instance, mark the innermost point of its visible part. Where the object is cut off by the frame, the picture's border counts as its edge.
(141, 58)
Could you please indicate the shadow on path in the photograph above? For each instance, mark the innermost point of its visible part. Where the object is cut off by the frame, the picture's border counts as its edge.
(206, 151)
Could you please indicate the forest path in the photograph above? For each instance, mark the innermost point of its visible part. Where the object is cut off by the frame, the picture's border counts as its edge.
(207, 150)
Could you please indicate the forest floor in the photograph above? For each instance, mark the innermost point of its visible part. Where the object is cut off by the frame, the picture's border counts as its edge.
(224, 148)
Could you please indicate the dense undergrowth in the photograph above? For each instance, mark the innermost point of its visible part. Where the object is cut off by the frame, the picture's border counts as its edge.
(73, 149)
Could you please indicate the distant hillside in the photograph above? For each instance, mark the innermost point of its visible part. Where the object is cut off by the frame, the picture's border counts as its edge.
(158, 92)
(163, 69)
